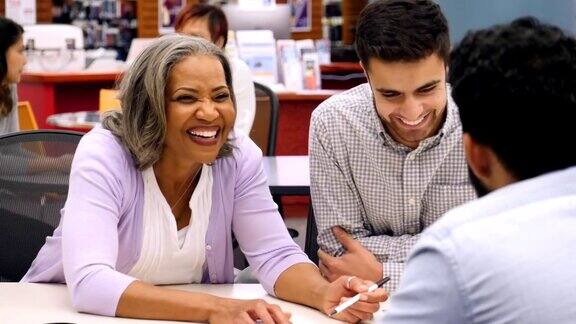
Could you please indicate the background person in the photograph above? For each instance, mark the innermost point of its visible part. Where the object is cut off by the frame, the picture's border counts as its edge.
(12, 61)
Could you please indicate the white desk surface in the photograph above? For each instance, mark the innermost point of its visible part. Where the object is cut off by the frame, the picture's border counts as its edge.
(287, 170)
(50, 303)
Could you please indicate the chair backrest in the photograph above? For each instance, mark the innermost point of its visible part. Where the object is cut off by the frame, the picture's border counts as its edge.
(311, 242)
(26, 117)
(108, 100)
(265, 125)
(33, 189)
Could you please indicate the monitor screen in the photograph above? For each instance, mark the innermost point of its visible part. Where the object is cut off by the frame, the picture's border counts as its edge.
(276, 19)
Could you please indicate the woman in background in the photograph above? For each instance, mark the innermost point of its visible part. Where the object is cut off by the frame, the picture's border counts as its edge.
(12, 61)
(209, 22)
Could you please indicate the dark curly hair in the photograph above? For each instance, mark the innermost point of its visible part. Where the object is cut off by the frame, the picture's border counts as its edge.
(10, 33)
(402, 30)
(515, 85)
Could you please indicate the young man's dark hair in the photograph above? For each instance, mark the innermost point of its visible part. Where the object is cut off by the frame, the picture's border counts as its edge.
(402, 30)
(507, 77)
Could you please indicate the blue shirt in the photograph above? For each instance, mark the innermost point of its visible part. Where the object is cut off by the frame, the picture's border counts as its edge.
(509, 257)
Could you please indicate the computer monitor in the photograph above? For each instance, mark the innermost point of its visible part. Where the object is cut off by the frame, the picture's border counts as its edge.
(276, 19)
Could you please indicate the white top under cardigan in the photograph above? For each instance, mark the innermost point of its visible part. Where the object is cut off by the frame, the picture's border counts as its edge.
(169, 256)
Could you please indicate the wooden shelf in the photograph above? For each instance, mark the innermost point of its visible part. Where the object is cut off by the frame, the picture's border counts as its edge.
(341, 67)
(350, 12)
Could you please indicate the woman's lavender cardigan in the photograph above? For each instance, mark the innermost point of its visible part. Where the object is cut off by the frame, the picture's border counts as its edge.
(100, 233)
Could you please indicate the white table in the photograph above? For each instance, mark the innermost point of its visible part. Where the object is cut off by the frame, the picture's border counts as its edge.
(50, 303)
(288, 174)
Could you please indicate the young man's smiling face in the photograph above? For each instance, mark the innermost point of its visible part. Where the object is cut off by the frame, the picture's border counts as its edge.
(410, 97)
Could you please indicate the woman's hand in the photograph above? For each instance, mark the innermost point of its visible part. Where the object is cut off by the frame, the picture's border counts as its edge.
(248, 311)
(342, 289)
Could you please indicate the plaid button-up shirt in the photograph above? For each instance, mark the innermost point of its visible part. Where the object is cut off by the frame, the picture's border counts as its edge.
(383, 193)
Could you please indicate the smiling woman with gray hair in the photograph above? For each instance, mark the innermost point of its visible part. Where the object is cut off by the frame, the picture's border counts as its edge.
(156, 194)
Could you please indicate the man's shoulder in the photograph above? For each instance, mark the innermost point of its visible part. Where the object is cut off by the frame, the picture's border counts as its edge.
(508, 206)
(351, 101)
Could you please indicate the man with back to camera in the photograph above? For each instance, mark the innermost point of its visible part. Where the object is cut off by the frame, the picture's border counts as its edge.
(509, 256)
(386, 157)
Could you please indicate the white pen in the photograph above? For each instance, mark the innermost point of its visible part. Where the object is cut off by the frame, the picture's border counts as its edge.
(356, 298)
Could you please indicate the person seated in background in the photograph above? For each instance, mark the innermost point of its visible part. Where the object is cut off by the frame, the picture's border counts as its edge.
(14, 159)
(12, 61)
(209, 22)
(386, 157)
(156, 193)
(509, 256)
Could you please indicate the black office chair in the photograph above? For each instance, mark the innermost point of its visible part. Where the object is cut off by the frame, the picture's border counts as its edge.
(311, 243)
(265, 125)
(32, 192)
(263, 133)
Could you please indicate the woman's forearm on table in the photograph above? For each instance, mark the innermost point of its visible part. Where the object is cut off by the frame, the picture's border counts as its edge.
(141, 300)
(302, 283)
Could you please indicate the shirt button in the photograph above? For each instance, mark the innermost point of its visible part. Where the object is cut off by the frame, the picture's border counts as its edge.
(411, 157)
(208, 247)
(412, 230)
(412, 201)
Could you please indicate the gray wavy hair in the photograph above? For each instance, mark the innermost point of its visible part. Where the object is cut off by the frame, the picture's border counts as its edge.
(141, 125)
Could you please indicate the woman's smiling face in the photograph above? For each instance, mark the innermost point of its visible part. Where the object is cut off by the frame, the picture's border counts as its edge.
(199, 109)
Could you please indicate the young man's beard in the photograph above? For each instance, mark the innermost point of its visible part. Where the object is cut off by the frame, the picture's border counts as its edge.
(480, 189)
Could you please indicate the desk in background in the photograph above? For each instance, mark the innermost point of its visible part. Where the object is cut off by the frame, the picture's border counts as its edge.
(55, 93)
(58, 92)
(341, 75)
(52, 93)
(50, 303)
(287, 175)
(290, 176)
(294, 120)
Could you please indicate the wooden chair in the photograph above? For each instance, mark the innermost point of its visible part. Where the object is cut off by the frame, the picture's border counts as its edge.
(108, 100)
(26, 116)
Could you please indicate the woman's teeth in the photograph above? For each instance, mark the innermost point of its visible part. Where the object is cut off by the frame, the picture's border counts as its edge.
(205, 134)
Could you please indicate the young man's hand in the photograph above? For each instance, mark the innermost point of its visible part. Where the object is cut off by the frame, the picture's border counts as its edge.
(345, 287)
(357, 261)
